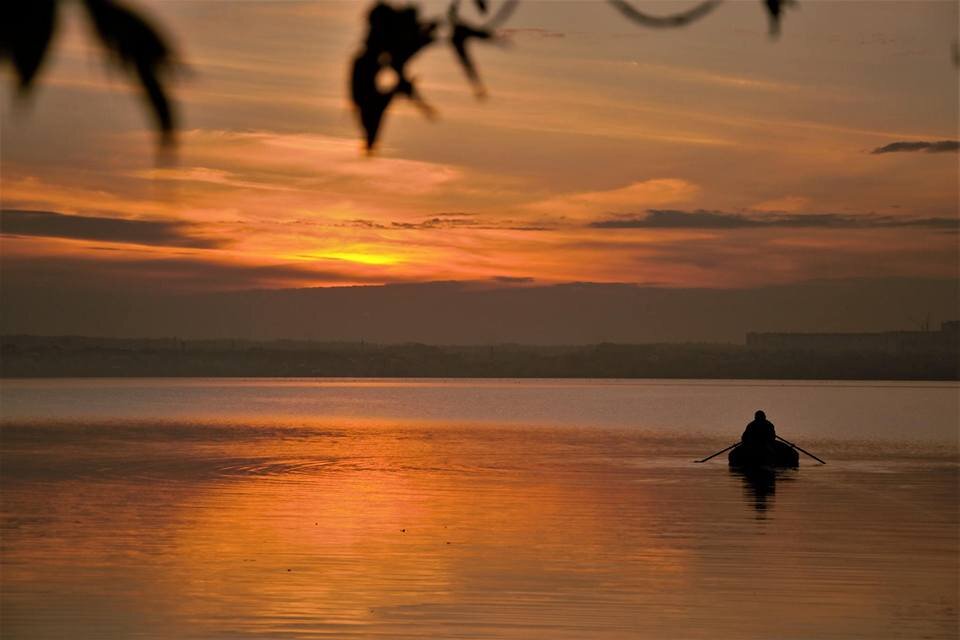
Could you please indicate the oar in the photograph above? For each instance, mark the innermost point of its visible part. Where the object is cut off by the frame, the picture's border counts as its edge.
(736, 444)
(802, 450)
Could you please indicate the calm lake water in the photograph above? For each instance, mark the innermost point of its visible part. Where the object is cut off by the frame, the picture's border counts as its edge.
(474, 509)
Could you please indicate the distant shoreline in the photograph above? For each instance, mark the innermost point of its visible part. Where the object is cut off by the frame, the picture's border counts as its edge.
(86, 357)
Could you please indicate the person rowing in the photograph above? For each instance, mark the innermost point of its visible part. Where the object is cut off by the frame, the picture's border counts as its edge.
(760, 446)
(760, 432)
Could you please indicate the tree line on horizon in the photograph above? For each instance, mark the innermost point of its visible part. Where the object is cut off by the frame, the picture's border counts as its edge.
(39, 356)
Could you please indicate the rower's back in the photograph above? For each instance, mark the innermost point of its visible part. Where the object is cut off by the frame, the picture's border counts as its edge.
(760, 432)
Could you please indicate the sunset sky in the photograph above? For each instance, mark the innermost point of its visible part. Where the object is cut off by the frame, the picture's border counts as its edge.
(709, 156)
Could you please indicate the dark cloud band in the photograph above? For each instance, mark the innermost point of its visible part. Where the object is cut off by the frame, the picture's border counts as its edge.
(943, 146)
(50, 224)
(700, 219)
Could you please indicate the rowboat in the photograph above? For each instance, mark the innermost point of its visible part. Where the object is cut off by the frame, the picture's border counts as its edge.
(774, 454)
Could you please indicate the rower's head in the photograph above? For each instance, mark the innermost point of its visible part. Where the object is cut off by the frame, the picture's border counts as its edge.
(760, 415)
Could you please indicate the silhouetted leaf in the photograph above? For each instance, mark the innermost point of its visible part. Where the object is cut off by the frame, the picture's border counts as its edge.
(370, 102)
(775, 11)
(394, 37)
(140, 47)
(675, 20)
(463, 33)
(26, 29)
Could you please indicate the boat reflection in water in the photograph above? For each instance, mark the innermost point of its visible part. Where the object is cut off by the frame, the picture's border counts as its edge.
(759, 466)
(760, 485)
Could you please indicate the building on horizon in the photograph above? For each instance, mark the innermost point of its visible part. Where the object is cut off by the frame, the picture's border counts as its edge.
(947, 339)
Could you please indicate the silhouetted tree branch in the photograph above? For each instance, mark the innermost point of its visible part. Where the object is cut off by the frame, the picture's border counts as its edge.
(395, 35)
(28, 28)
(675, 20)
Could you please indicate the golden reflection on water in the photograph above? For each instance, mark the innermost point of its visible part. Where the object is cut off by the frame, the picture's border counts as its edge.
(388, 530)
(401, 537)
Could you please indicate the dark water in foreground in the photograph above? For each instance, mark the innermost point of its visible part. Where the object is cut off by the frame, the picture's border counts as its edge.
(484, 509)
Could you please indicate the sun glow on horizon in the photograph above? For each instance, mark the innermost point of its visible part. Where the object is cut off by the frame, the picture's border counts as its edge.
(370, 258)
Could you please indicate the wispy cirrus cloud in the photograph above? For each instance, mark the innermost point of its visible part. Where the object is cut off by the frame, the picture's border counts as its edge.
(450, 221)
(304, 162)
(658, 191)
(941, 146)
(703, 219)
(52, 224)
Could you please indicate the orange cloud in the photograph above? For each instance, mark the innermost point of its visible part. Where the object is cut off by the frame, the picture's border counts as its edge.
(786, 204)
(633, 197)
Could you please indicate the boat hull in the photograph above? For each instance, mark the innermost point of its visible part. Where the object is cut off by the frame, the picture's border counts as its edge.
(776, 455)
